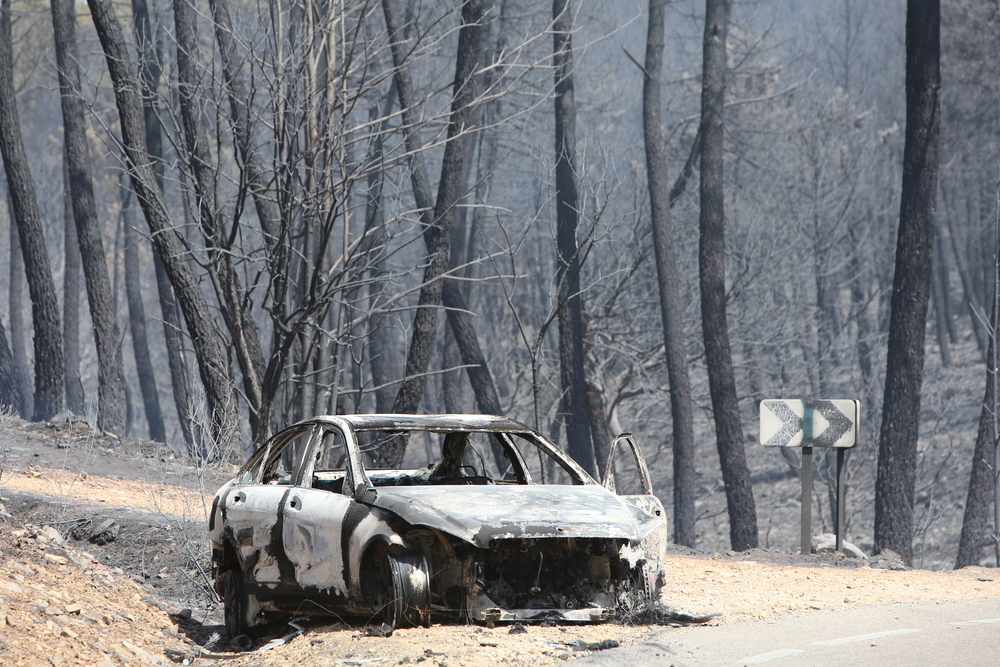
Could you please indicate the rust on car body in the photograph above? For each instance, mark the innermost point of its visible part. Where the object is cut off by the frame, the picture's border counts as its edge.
(310, 524)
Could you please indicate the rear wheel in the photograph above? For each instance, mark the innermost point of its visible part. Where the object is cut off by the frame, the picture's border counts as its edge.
(243, 613)
(404, 597)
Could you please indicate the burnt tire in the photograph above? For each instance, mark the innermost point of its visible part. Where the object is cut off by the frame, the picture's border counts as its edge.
(242, 611)
(637, 596)
(405, 598)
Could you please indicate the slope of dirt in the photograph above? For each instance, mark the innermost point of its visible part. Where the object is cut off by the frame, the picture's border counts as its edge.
(145, 595)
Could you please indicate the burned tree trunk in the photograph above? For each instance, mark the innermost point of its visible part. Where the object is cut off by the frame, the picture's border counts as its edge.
(437, 232)
(111, 371)
(71, 303)
(976, 519)
(712, 280)
(571, 360)
(983, 483)
(939, 300)
(438, 219)
(681, 409)
(238, 319)
(239, 100)
(137, 324)
(150, 73)
(10, 381)
(897, 452)
(205, 337)
(18, 349)
(41, 287)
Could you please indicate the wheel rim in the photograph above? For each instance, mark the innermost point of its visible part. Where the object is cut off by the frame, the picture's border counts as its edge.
(405, 596)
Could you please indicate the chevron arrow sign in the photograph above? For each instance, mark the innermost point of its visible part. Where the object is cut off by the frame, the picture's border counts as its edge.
(809, 423)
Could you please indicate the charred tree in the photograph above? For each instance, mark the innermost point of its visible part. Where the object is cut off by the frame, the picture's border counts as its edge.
(239, 100)
(10, 381)
(111, 372)
(437, 230)
(235, 311)
(137, 324)
(71, 303)
(897, 452)
(681, 410)
(150, 72)
(983, 484)
(571, 360)
(378, 347)
(976, 519)
(712, 280)
(600, 430)
(17, 347)
(437, 217)
(41, 287)
(205, 338)
(939, 300)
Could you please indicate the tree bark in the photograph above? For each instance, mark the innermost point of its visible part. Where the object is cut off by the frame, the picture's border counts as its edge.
(437, 242)
(671, 312)
(239, 99)
(971, 300)
(205, 338)
(571, 360)
(379, 349)
(49, 367)
(150, 72)
(712, 280)
(940, 311)
(17, 335)
(111, 371)
(238, 319)
(945, 287)
(10, 381)
(71, 303)
(438, 219)
(137, 323)
(600, 430)
(897, 453)
(976, 519)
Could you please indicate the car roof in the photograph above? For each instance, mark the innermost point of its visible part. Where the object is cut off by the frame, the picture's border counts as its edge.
(402, 422)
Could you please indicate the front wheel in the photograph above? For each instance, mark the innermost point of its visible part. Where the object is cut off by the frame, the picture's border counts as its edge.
(243, 612)
(405, 595)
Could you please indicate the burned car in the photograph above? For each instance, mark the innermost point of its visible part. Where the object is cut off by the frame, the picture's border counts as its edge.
(485, 520)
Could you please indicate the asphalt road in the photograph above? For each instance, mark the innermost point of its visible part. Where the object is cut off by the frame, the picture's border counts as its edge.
(964, 632)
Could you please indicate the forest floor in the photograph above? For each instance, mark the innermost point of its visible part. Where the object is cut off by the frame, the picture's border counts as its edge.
(145, 596)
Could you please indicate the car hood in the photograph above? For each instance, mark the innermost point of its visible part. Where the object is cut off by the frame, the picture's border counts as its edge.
(478, 514)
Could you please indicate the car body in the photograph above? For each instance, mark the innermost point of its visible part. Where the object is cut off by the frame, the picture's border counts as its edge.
(499, 525)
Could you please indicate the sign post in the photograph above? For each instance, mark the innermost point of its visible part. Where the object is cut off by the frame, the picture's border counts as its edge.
(812, 423)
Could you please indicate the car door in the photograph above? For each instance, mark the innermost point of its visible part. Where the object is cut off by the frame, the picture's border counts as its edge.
(654, 528)
(252, 507)
(314, 514)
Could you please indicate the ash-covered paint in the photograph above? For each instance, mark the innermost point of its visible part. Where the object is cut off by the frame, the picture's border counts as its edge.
(356, 513)
(479, 514)
(310, 535)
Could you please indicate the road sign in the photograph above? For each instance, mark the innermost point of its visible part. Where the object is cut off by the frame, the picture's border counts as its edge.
(809, 423)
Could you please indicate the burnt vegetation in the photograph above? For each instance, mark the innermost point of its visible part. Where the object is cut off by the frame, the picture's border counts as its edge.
(296, 208)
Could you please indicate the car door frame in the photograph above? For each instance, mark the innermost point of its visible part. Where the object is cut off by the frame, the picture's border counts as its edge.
(252, 510)
(313, 522)
(653, 532)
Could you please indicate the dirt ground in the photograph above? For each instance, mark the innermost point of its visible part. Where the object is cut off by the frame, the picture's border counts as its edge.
(145, 596)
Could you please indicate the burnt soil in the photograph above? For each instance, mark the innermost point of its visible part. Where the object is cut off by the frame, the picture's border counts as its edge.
(104, 561)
